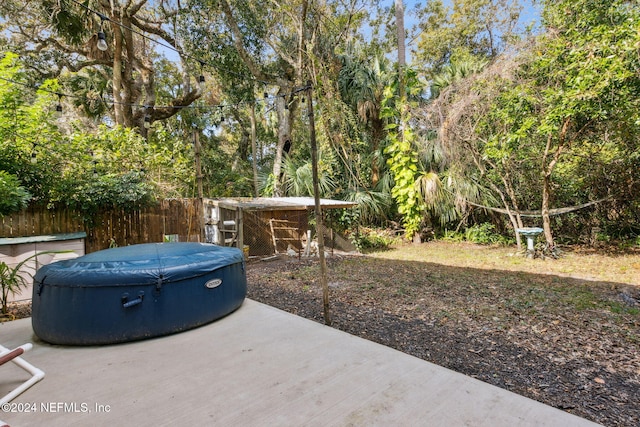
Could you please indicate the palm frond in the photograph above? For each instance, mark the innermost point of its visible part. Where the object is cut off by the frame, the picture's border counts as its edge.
(373, 206)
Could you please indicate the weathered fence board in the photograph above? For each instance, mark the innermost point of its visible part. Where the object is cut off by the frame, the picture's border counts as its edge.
(111, 227)
(36, 221)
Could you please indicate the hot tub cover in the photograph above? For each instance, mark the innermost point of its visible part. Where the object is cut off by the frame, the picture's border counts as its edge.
(136, 292)
(143, 264)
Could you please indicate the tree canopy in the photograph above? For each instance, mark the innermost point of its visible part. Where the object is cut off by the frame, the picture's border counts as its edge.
(489, 122)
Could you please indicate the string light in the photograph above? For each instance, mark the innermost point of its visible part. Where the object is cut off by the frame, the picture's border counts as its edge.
(34, 157)
(159, 43)
(59, 104)
(147, 118)
(102, 42)
(102, 45)
(201, 77)
(146, 107)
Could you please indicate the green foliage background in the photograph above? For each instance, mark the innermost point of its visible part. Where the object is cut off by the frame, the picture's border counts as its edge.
(496, 114)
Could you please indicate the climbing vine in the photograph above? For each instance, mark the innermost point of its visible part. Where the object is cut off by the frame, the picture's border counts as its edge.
(402, 158)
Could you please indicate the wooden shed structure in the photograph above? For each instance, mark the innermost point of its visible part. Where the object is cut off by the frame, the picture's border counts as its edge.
(264, 226)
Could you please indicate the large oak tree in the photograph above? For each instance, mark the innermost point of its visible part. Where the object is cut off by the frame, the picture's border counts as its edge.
(60, 38)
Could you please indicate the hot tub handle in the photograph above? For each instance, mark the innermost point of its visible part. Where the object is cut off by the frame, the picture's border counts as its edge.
(126, 303)
(41, 285)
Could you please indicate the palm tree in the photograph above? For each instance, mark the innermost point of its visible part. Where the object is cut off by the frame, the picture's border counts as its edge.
(298, 178)
(361, 85)
(453, 72)
(443, 188)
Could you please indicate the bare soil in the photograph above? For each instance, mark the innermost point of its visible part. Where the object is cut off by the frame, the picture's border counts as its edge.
(567, 342)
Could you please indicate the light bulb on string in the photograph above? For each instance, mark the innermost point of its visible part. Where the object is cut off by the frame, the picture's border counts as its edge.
(59, 105)
(102, 41)
(34, 158)
(147, 117)
(201, 81)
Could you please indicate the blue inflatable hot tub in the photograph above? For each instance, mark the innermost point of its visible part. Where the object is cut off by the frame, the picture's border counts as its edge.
(136, 292)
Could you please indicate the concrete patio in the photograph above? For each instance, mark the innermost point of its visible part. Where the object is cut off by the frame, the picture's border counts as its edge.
(256, 367)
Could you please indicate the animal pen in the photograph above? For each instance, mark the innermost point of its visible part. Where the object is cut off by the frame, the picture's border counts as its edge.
(266, 226)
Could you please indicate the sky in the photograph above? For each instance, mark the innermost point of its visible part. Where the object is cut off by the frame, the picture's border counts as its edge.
(530, 13)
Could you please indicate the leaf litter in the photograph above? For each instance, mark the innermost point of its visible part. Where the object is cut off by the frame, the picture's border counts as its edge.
(567, 342)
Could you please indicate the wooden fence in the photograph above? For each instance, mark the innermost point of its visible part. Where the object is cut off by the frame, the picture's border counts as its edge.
(179, 218)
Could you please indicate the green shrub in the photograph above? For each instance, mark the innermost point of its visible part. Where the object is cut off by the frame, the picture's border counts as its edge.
(369, 239)
(13, 196)
(452, 236)
(486, 234)
(483, 234)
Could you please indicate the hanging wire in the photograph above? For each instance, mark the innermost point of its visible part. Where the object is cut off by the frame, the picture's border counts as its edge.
(201, 79)
(168, 106)
(160, 43)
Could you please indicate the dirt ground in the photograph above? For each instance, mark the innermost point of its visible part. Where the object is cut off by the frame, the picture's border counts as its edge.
(570, 343)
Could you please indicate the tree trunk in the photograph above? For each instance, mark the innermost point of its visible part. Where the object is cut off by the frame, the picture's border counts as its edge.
(514, 218)
(547, 169)
(377, 135)
(128, 86)
(400, 31)
(118, 106)
(254, 151)
(318, 211)
(546, 219)
(284, 141)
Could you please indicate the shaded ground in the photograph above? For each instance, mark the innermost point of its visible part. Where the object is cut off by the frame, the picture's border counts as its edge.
(569, 343)
(564, 332)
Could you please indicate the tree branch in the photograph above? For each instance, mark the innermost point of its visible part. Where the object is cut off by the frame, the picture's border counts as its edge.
(238, 40)
(176, 105)
(158, 31)
(135, 8)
